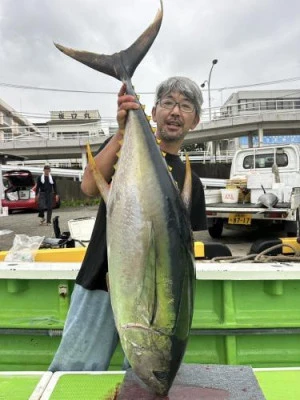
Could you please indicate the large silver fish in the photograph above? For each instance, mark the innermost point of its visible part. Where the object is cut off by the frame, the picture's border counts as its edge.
(149, 238)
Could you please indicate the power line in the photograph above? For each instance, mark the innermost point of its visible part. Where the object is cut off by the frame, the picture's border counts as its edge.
(15, 86)
(28, 87)
(260, 84)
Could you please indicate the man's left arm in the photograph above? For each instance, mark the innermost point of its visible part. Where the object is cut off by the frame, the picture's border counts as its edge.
(198, 212)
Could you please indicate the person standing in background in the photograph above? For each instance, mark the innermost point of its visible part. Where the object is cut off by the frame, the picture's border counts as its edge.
(45, 190)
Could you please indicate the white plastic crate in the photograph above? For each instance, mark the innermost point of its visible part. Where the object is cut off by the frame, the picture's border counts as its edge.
(81, 228)
(230, 195)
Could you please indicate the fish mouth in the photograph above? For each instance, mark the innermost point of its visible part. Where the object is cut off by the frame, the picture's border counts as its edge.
(163, 382)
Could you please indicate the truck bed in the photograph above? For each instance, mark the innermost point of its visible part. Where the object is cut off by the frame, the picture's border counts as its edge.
(247, 207)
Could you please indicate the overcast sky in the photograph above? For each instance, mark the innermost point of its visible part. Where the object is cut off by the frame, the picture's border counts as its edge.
(254, 41)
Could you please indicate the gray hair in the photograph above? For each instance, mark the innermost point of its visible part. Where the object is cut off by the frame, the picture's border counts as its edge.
(183, 85)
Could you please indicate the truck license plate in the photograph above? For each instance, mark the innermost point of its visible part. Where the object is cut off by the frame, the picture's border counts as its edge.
(239, 219)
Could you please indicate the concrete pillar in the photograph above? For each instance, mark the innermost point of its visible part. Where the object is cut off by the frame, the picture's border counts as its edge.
(214, 145)
(209, 151)
(260, 136)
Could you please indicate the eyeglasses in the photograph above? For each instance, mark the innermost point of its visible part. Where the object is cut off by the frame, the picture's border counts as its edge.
(185, 105)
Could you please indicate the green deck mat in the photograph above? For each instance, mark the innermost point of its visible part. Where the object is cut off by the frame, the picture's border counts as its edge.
(279, 385)
(86, 387)
(13, 387)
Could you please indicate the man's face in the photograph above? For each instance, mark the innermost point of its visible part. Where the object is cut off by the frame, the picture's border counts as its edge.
(173, 123)
(46, 172)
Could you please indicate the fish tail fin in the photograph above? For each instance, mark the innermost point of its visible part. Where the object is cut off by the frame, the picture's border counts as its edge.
(186, 193)
(123, 64)
(101, 183)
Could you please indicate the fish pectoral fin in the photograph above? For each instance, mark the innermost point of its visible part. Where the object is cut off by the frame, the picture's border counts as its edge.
(186, 193)
(100, 181)
(147, 293)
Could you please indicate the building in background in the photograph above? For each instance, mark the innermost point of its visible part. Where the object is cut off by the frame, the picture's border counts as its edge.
(256, 101)
(253, 102)
(13, 124)
(73, 123)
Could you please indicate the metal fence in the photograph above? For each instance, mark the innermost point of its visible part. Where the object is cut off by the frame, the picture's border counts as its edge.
(223, 156)
(251, 107)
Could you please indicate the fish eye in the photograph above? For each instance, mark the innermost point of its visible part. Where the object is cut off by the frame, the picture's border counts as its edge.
(162, 376)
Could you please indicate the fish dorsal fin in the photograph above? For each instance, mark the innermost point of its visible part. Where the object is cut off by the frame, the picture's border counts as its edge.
(186, 193)
(123, 64)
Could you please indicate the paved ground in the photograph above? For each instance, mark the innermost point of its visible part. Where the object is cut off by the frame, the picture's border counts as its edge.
(28, 223)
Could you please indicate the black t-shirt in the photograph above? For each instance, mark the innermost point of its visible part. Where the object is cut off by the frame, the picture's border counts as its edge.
(92, 274)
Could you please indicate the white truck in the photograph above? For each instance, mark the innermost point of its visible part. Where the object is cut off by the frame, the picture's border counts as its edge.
(273, 169)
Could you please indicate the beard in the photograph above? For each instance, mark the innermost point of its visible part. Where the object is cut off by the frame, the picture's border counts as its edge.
(170, 137)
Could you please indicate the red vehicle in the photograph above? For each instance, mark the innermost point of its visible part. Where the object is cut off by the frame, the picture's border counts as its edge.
(19, 191)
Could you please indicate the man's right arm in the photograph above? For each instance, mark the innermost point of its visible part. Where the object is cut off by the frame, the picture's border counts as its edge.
(105, 161)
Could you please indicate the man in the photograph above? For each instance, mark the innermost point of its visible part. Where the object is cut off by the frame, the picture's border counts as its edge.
(90, 336)
(45, 189)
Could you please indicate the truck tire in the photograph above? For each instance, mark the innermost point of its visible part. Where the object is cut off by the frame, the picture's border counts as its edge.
(216, 229)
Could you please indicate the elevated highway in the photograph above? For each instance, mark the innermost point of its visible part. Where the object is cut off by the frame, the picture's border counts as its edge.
(36, 148)
(285, 122)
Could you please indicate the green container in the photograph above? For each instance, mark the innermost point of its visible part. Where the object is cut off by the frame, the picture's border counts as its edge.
(34, 309)
(18, 387)
(279, 384)
(246, 304)
(35, 353)
(27, 352)
(263, 350)
(86, 386)
(34, 303)
(43, 304)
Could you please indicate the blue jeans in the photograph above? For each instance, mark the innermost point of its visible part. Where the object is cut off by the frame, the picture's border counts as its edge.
(90, 336)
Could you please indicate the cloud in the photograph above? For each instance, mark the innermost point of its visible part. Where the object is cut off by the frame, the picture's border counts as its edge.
(254, 41)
